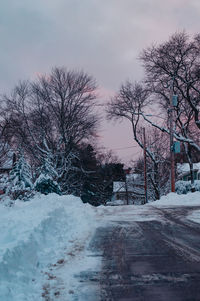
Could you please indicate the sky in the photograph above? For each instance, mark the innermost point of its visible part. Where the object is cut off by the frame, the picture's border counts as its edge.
(102, 37)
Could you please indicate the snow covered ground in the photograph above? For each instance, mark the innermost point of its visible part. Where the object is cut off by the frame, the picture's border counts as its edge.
(195, 216)
(37, 239)
(173, 199)
(43, 242)
(133, 213)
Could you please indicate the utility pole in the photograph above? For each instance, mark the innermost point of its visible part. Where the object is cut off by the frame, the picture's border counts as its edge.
(126, 188)
(145, 167)
(171, 119)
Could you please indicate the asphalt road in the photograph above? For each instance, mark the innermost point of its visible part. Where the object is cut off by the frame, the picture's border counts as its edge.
(155, 260)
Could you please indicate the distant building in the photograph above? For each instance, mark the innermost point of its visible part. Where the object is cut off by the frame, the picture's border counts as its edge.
(7, 160)
(129, 192)
(6, 163)
(183, 171)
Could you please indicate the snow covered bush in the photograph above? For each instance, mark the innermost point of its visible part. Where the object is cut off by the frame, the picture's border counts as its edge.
(20, 182)
(46, 182)
(183, 187)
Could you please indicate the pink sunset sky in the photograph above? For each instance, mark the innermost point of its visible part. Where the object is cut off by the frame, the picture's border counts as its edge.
(102, 37)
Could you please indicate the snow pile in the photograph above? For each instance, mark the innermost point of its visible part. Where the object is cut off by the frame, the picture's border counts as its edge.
(173, 199)
(34, 235)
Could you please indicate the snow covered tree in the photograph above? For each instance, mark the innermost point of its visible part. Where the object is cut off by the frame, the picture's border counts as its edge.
(46, 182)
(20, 178)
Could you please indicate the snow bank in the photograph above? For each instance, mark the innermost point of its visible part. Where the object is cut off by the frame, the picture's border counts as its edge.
(173, 199)
(34, 235)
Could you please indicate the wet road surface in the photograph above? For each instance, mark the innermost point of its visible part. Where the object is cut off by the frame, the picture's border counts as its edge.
(156, 260)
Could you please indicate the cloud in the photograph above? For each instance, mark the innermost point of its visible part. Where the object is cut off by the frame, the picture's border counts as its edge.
(103, 37)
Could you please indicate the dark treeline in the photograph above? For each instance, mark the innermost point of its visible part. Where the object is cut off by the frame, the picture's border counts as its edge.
(52, 122)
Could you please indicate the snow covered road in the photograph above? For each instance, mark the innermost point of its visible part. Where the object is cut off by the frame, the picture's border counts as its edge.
(57, 248)
(148, 254)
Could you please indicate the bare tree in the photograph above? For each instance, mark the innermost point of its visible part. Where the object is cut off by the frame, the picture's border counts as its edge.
(176, 63)
(176, 60)
(158, 173)
(54, 113)
(130, 103)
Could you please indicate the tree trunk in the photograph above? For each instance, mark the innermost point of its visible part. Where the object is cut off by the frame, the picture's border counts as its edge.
(126, 188)
(189, 157)
(192, 177)
(157, 182)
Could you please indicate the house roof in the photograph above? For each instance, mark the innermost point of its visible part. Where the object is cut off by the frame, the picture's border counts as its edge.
(119, 187)
(184, 168)
(131, 187)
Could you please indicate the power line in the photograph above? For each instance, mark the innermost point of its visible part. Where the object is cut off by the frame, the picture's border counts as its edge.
(124, 148)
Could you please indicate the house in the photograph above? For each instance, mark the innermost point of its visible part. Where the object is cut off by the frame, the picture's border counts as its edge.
(7, 160)
(183, 171)
(129, 192)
